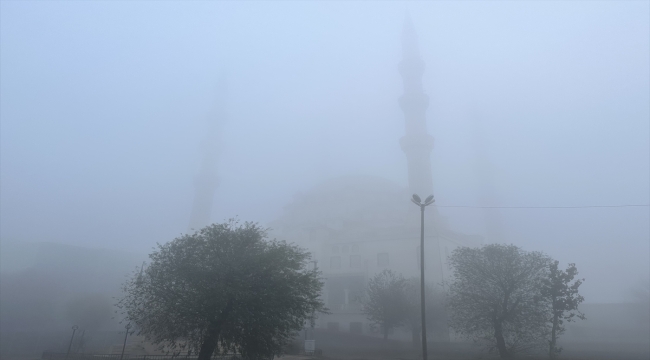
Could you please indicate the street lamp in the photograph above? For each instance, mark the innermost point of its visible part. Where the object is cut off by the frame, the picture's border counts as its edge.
(417, 201)
(128, 326)
(74, 329)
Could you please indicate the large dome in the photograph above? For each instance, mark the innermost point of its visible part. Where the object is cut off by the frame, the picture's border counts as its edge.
(349, 201)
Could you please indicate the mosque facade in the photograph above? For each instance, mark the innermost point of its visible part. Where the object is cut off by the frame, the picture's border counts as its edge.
(357, 226)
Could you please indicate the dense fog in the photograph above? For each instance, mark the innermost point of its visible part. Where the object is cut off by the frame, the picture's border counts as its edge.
(539, 113)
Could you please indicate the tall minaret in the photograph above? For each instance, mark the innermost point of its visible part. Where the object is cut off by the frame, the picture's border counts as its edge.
(205, 183)
(416, 143)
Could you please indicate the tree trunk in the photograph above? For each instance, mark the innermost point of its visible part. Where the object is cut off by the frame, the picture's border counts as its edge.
(501, 343)
(551, 350)
(210, 342)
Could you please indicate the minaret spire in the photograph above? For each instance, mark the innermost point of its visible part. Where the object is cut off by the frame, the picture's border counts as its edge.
(416, 143)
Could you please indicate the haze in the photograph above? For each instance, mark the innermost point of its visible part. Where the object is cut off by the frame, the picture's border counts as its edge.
(104, 106)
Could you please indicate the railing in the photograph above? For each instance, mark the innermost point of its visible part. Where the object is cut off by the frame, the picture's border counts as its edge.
(47, 355)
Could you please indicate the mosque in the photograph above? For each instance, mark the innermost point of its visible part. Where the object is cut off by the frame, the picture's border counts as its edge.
(357, 226)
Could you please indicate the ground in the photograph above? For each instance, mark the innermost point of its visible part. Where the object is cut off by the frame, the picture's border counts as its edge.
(346, 346)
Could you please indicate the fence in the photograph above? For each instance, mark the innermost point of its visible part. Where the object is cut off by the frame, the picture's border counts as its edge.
(47, 355)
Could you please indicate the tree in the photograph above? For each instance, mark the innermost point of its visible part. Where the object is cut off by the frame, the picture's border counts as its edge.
(385, 303)
(495, 297)
(224, 288)
(564, 300)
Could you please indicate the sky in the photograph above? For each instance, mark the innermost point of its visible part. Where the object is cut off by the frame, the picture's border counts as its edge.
(103, 106)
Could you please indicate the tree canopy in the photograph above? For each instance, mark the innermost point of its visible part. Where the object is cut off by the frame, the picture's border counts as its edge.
(224, 288)
(385, 303)
(564, 299)
(495, 297)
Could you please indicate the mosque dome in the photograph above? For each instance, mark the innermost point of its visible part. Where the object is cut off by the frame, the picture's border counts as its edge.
(348, 201)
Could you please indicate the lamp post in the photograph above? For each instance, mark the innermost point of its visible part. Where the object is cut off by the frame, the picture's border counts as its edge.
(74, 329)
(417, 201)
(127, 327)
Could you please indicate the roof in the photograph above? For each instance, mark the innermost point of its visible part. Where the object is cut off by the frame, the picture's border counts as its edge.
(347, 200)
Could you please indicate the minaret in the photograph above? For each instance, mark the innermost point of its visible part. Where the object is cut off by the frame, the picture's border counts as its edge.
(205, 183)
(416, 143)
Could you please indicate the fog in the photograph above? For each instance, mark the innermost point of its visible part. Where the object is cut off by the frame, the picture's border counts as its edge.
(104, 107)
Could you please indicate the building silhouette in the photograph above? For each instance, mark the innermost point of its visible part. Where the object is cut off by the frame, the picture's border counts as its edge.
(357, 226)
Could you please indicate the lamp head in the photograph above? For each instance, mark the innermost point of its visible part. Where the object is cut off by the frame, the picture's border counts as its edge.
(429, 200)
(416, 199)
